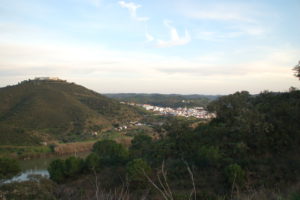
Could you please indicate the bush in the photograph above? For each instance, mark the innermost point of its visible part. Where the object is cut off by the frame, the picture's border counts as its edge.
(35, 188)
(136, 170)
(56, 170)
(235, 174)
(208, 155)
(295, 196)
(92, 162)
(73, 166)
(8, 168)
(52, 147)
(140, 146)
(110, 152)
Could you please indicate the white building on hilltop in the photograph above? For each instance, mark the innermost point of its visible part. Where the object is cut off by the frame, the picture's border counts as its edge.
(47, 79)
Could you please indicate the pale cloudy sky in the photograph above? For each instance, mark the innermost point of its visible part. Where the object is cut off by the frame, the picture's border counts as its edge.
(163, 46)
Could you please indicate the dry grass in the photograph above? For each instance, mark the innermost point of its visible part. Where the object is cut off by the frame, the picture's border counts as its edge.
(73, 147)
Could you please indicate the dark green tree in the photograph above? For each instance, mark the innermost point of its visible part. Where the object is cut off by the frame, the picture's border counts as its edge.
(73, 166)
(8, 168)
(56, 170)
(208, 155)
(235, 175)
(137, 170)
(92, 162)
(140, 146)
(110, 152)
(231, 108)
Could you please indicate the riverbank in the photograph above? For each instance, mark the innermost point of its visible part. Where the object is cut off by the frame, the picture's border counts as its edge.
(38, 167)
(31, 152)
(24, 152)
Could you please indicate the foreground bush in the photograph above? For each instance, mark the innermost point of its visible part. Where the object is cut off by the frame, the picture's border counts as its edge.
(110, 152)
(235, 174)
(56, 170)
(137, 169)
(37, 187)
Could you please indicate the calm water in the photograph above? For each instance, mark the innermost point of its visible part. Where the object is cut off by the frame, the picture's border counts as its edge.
(38, 166)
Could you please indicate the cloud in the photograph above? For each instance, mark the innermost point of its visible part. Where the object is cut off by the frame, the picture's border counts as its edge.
(241, 12)
(175, 39)
(58, 58)
(238, 31)
(253, 30)
(149, 37)
(234, 19)
(132, 8)
(218, 15)
(275, 62)
(104, 70)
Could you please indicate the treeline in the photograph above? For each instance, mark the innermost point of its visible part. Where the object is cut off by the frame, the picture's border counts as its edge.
(252, 144)
(166, 100)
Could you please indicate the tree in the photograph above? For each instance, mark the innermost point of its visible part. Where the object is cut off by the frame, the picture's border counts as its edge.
(208, 155)
(235, 174)
(73, 166)
(8, 168)
(297, 70)
(136, 170)
(56, 170)
(140, 145)
(110, 153)
(92, 162)
(232, 107)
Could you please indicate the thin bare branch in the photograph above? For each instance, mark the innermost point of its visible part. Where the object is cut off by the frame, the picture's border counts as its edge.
(194, 191)
(154, 185)
(164, 173)
(232, 187)
(96, 183)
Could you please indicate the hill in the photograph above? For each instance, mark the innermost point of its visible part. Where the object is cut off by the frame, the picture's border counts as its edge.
(40, 110)
(165, 100)
(249, 151)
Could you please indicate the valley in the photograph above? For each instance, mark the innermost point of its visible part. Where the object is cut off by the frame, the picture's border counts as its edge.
(61, 139)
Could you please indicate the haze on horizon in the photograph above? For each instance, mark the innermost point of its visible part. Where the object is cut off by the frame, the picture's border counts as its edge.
(169, 46)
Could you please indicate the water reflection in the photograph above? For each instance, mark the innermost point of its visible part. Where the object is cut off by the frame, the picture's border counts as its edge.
(27, 175)
(38, 166)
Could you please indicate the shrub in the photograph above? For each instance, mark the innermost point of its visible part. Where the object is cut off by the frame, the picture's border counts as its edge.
(110, 152)
(235, 174)
(8, 168)
(35, 188)
(208, 155)
(295, 196)
(56, 170)
(136, 169)
(73, 166)
(92, 162)
(140, 146)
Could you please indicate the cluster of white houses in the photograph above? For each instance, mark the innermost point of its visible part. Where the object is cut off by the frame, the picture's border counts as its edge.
(197, 112)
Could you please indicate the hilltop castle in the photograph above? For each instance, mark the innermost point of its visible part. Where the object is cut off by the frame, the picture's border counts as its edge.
(47, 79)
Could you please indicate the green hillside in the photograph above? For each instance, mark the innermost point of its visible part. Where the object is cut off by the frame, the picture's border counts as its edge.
(35, 111)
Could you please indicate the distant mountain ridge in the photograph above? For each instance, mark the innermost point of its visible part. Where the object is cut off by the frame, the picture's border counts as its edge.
(165, 100)
(44, 110)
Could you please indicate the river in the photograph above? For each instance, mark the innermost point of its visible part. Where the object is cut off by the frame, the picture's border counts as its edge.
(38, 166)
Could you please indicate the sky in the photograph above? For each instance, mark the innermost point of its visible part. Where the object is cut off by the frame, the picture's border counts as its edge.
(157, 46)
